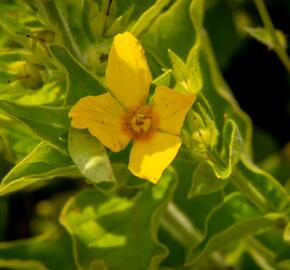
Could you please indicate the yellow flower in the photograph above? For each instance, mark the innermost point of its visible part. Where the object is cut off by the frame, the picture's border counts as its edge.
(124, 114)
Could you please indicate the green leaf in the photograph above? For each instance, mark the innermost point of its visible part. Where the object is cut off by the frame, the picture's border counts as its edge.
(277, 162)
(22, 265)
(196, 208)
(63, 19)
(87, 10)
(43, 163)
(56, 117)
(274, 193)
(286, 234)
(173, 30)
(46, 251)
(196, 14)
(148, 17)
(117, 229)
(140, 6)
(90, 157)
(14, 17)
(233, 220)
(48, 95)
(205, 180)
(210, 176)
(231, 148)
(49, 123)
(12, 56)
(120, 23)
(282, 259)
(72, 24)
(264, 36)
(80, 82)
(17, 141)
(188, 76)
(124, 177)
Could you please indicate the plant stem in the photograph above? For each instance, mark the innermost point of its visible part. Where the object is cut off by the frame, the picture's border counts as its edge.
(57, 19)
(242, 183)
(237, 178)
(250, 191)
(180, 227)
(260, 254)
(279, 50)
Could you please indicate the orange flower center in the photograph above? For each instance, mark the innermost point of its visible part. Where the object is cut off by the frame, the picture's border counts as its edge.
(140, 123)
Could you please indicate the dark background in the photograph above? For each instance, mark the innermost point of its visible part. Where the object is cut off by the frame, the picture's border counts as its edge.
(257, 78)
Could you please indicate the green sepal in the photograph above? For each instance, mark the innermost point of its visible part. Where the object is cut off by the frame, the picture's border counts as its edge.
(163, 79)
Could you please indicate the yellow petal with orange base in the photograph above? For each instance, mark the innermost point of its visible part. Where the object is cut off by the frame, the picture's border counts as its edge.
(149, 158)
(102, 116)
(128, 76)
(171, 107)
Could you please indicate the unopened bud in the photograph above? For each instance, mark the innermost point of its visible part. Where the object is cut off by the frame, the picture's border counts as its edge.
(43, 36)
(30, 76)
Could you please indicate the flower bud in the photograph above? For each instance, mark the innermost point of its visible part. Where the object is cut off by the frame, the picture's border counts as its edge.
(30, 76)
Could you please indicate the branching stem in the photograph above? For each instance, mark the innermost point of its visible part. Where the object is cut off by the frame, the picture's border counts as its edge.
(58, 20)
(278, 48)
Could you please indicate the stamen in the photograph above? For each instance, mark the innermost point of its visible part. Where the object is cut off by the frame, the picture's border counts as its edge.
(140, 123)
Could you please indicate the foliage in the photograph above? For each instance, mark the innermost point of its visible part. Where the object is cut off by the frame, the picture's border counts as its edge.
(213, 208)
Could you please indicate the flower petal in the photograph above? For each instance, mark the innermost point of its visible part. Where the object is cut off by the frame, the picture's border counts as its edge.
(148, 159)
(171, 107)
(128, 75)
(102, 116)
